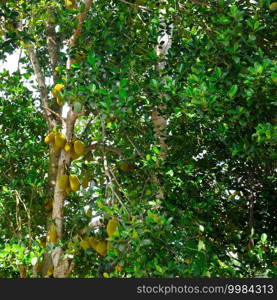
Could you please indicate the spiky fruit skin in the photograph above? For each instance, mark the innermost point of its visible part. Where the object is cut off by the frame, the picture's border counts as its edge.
(57, 88)
(109, 245)
(84, 244)
(56, 148)
(70, 4)
(52, 234)
(273, 6)
(79, 148)
(63, 182)
(74, 182)
(72, 154)
(111, 226)
(102, 248)
(67, 147)
(60, 140)
(68, 190)
(50, 138)
(93, 242)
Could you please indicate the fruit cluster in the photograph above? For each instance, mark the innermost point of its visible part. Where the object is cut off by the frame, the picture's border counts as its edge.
(75, 148)
(100, 246)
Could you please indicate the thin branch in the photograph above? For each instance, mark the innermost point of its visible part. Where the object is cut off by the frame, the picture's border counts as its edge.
(105, 148)
(119, 186)
(132, 143)
(17, 216)
(135, 5)
(18, 198)
(82, 16)
(56, 114)
(87, 127)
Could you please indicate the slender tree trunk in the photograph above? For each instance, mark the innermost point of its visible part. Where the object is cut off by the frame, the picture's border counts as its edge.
(158, 118)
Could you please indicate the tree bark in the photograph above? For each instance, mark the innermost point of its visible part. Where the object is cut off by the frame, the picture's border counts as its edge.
(158, 119)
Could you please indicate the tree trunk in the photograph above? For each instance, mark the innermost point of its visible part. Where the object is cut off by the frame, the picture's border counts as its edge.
(158, 119)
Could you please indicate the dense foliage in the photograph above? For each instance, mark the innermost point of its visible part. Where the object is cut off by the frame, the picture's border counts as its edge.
(217, 92)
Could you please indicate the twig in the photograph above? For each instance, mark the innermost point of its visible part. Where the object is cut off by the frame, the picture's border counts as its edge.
(81, 17)
(86, 128)
(135, 5)
(105, 148)
(132, 143)
(56, 114)
(119, 186)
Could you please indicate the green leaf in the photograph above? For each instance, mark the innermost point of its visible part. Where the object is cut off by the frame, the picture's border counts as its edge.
(263, 237)
(201, 245)
(233, 90)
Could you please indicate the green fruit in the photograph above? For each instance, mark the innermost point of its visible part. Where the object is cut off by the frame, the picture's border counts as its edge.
(74, 182)
(273, 6)
(60, 140)
(63, 182)
(111, 227)
(79, 148)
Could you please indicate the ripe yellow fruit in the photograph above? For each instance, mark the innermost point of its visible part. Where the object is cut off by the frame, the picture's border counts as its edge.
(60, 140)
(50, 271)
(57, 88)
(50, 138)
(74, 182)
(70, 4)
(56, 148)
(68, 189)
(102, 248)
(111, 226)
(84, 244)
(93, 242)
(52, 234)
(67, 147)
(109, 245)
(63, 182)
(273, 6)
(79, 148)
(73, 154)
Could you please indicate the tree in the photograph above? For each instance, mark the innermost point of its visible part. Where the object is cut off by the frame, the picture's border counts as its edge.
(158, 116)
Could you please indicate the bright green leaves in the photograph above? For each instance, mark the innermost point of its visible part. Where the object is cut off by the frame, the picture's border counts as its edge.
(266, 133)
(232, 91)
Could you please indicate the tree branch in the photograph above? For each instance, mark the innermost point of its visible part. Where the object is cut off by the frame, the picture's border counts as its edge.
(135, 5)
(105, 148)
(56, 114)
(41, 84)
(52, 44)
(82, 16)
